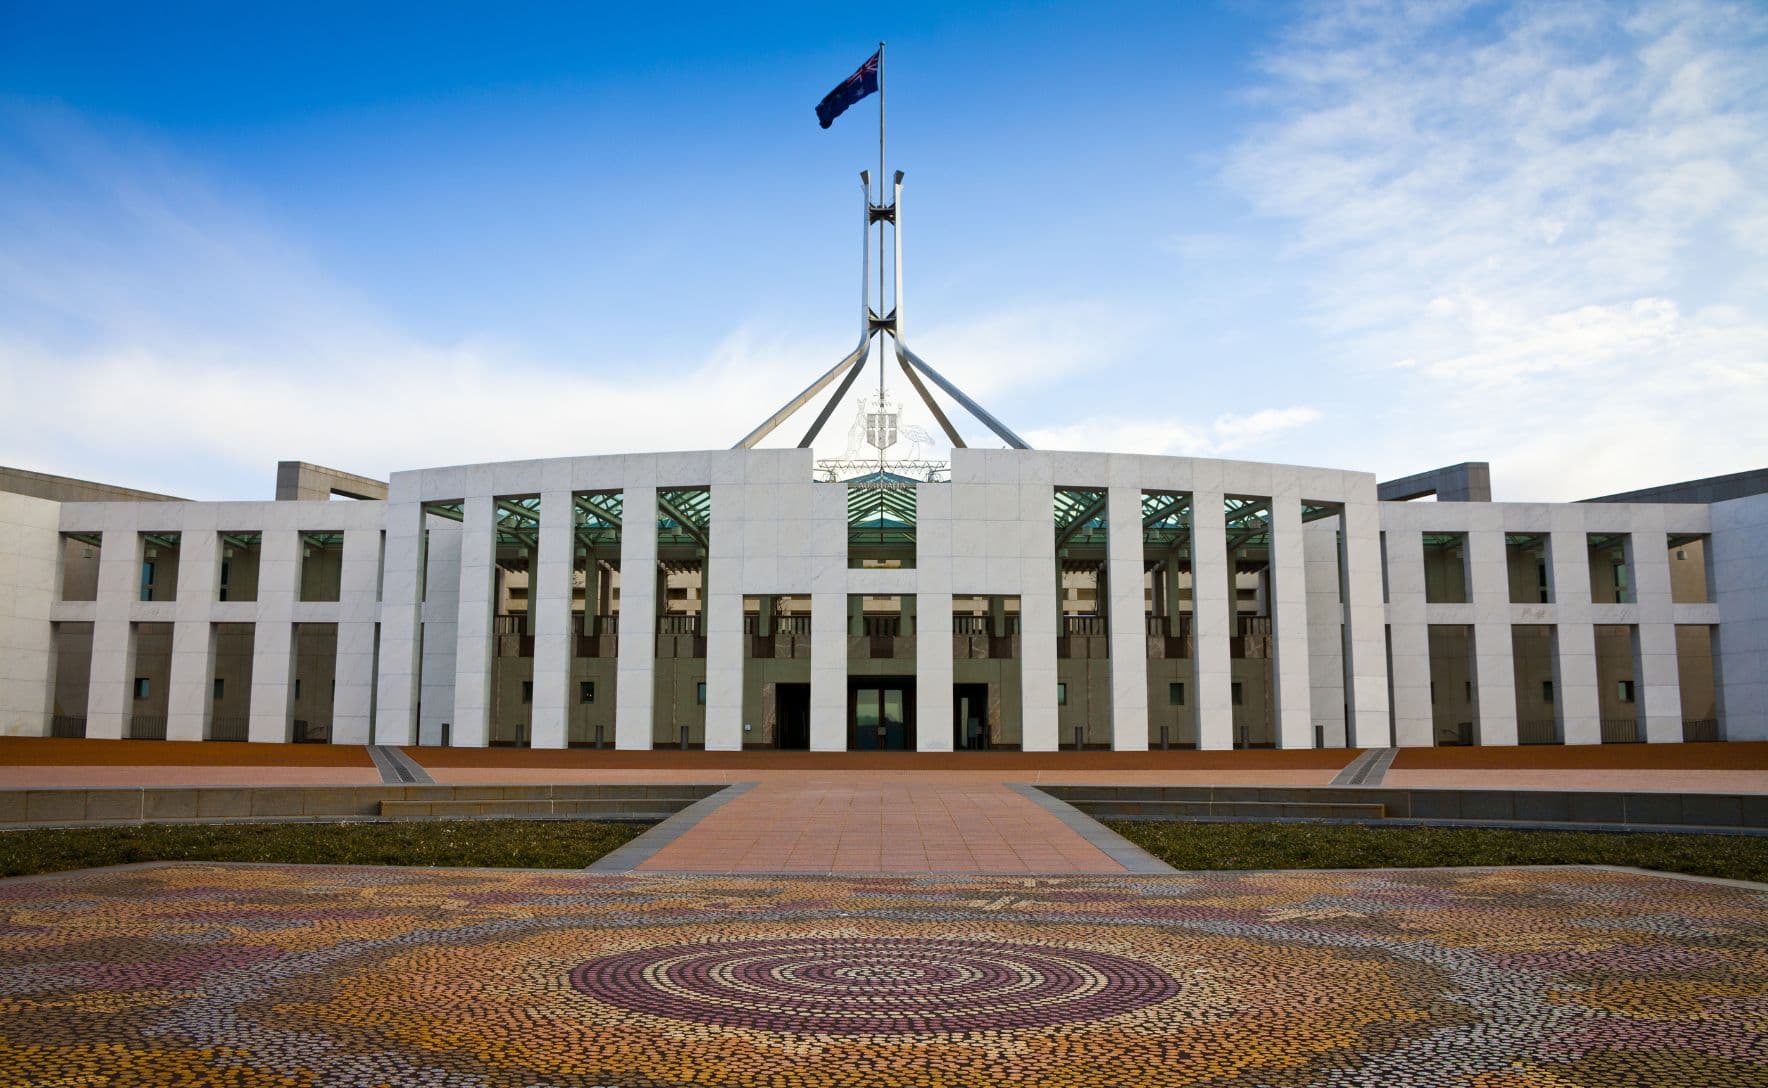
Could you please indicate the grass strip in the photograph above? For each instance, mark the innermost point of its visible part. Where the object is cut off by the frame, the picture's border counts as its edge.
(1352, 846)
(505, 844)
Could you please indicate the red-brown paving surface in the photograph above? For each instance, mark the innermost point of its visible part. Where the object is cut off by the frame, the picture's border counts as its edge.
(888, 822)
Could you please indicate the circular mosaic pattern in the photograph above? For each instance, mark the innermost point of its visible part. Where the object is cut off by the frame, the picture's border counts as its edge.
(874, 985)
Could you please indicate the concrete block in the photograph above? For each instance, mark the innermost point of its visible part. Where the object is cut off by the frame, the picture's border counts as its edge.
(55, 806)
(119, 804)
(168, 803)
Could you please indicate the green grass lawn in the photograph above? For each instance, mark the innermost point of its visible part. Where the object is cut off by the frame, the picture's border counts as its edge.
(1350, 846)
(508, 844)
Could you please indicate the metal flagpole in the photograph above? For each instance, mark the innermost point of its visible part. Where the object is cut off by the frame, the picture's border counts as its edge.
(881, 355)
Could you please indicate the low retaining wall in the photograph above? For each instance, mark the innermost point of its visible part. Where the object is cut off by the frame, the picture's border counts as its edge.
(169, 804)
(1731, 812)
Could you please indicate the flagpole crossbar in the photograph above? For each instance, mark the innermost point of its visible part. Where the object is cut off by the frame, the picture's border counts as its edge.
(847, 371)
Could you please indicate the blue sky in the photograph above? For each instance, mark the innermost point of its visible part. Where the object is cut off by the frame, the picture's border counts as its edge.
(1362, 235)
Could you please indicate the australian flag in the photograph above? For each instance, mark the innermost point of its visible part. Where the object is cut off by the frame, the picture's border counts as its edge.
(849, 91)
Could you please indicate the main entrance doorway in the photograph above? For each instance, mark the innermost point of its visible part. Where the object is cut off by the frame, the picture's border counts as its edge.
(880, 713)
(792, 716)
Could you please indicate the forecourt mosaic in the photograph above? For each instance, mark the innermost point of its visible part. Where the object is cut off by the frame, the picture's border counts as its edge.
(262, 975)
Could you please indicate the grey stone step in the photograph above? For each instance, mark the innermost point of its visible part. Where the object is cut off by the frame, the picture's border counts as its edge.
(627, 808)
(1182, 810)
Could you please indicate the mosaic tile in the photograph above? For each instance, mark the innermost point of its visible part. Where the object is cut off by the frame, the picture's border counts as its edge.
(292, 976)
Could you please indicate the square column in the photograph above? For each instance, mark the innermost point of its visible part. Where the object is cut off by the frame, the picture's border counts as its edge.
(1574, 663)
(724, 672)
(353, 694)
(1289, 613)
(191, 683)
(933, 605)
(1127, 629)
(396, 678)
(1659, 681)
(30, 580)
(441, 619)
(1414, 721)
(1325, 630)
(109, 690)
(1365, 620)
(472, 636)
(633, 694)
(722, 612)
(1212, 621)
(933, 672)
(1494, 658)
(549, 592)
(1039, 612)
(273, 659)
(828, 618)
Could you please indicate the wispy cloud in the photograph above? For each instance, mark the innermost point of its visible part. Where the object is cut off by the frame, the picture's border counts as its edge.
(1227, 434)
(1550, 221)
(157, 330)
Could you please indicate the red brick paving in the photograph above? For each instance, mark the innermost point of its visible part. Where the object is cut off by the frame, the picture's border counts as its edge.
(889, 822)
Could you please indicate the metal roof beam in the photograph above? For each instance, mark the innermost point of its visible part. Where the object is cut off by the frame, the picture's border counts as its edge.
(1088, 513)
(599, 512)
(681, 519)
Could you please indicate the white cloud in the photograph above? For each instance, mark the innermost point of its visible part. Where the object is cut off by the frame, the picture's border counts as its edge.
(1227, 434)
(1551, 216)
(156, 331)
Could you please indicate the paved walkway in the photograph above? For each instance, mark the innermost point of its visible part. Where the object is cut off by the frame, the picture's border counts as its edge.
(881, 822)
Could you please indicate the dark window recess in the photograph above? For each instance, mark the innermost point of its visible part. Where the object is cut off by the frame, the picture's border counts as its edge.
(220, 686)
(1061, 694)
(1239, 694)
(586, 691)
(700, 693)
(527, 691)
(1175, 694)
(141, 687)
(1546, 691)
(1626, 691)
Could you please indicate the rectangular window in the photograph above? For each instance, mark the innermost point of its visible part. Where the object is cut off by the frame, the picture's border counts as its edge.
(1433, 693)
(1626, 691)
(1546, 691)
(1239, 694)
(297, 687)
(586, 691)
(141, 687)
(220, 685)
(1175, 694)
(1467, 685)
(700, 693)
(147, 580)
(226, 570)
(1061, 694)
(527, 691)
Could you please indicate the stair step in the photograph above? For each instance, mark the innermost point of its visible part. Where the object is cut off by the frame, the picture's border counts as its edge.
(628, 808)
(1295, 810)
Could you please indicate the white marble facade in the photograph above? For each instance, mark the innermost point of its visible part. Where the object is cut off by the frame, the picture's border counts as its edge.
(1348, 608)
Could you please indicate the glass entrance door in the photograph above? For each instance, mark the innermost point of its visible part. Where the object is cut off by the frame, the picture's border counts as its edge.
(882, 715)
